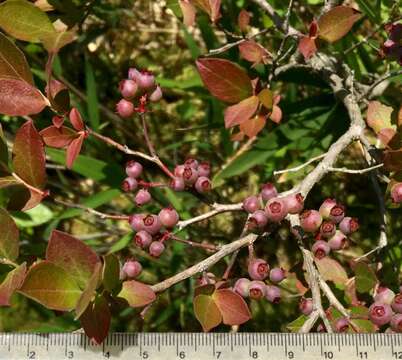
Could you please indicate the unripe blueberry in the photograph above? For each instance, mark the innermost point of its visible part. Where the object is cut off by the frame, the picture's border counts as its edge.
(179, 170)
(384, 295)
(241, 286)
(177, 184)
(156, 248)
(380, 313)
(136, 221)
(125, 108)
(327, 229)
(132, 268)
(257, 290)
(146, 80)
(133, 169)
(310, 220)
(276, 209)
(168, 217)
(273, 294)
(337, 214)
(342, 325)
(128, 88)
(251, 204)
(337, 241)
(134, 74)
(129, 184)
(268, 191)
(156, 94)
(294, 203)
(320, 249)
(306, 305)
(142, 239)
(258, 219)
(258, 269)
(190, 175)
(142, 197)
(396, 323)
(203, 184)
(397, 303)
(276, 275)
(204, 169)
(396, 193)
(326, 207)
(152, 224)
(348, 225)
(193, 163)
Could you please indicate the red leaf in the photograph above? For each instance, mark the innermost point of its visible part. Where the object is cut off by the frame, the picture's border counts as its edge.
(206, 312)
(76, 120)
(253, 52)
(313, 30)
(9, 236)
(73, 150)
(19, 98)
(307, 47)
(243, 20)
(232, 306)
(58, 121)
(188, 11)
(96, 320)
(11, 283)
(58, 137)
(253, 126)
(276, 115)
(337, 22)
(241, 112)
(137, 294)
(224, 79)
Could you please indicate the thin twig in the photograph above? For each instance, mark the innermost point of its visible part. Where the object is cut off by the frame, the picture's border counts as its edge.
(355, 171)
(382, 78)
(297, 168)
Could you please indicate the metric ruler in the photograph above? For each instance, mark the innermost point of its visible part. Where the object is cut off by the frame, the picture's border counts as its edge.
(200, 346)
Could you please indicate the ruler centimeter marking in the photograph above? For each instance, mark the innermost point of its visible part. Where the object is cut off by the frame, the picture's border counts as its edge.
(200, 346)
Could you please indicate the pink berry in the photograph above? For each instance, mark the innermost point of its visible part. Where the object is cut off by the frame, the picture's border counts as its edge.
(273, 294)
(257, 290)
(136, 221)
(306, 306)
(397, 303)
(276, 275)
(258, 269)
(241, 286)
(168, 217)
(133, 169)
(276, 209)
(179, 170)
(310, 220)
(193, 163)
(156, 248)
(320, 249)
(268, 191)
(190, 175)
(342, 325)
(337, 213)
(326, 207)
(349, 225)
(203, 184)
(129, 184)
(396, 193)
(125, 108)
(204, 169)
(327, 229)
(132, 269)
(251, 204)
(258, 219)
(156, 94)
(142, 197)
(146, 80)
(294, 203)
(142, 239)
(380, 313)
(134, 74)
(396, 323)
(337, 241)
(128, 88)
(152, 224)
(384, 295)
(177, 184)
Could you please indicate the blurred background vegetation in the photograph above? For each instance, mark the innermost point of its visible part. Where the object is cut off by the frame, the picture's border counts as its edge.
(115, 35)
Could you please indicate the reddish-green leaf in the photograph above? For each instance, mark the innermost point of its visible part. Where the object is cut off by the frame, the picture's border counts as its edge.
(232, 306)
(136, 294)
(188, 11)
(76, 119)
(111, 273)
(55, 40)
(71, 254)
(276, 115)
(243, 20)
(332, 270)
(253, 52)
(206, 312)
(58, 137)
(211, 7)
(4, 165)
(9, 236)
(51, 286)
(379, 116)
(307, 47)
(365, 278)
(11, 283)
(73, 150)
(266, 98)
(337, 22)
(224, 79)
(241, 112)
(96, 320)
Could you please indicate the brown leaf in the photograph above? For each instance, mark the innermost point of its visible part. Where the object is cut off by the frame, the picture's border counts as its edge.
(58, 137)
(96, 320)
(241, 112)
(393, 160)
(232, 306)
(253, 126)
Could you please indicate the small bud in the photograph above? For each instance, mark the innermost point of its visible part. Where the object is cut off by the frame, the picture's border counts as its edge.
(152, 224)
(133, 169)
(337, 241)
(384, 295)
(203, 184)
(273, 294)
(258, 219)
(380, 313)
(128, 88)
(337, 214)
(204, 169)
(179, 170)
(327, 229)
(146, 80)
(251, 204)
(125, 108)
(258, 269)
(310, 220)
(326, 207)
(306, 306)
(177, 184)
(242, 287)
(193, 163)
(349, 225)
(168, 217)
(342, 325)
(257, 290)
(142, 239)
(294, 203)
(156, 94)
(190, 175)
(276, 209)
(129, 184)
(136, 222)
(320, 249)
(156, 249)
(396, 193)
(132, 269)
(142, 197)
(268, 191)
(396, 323)
(134, 74)
(276, 275)
(397, 303)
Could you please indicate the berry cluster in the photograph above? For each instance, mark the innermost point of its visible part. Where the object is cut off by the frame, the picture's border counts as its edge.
(392, 47)
(387, 309)
(192, 174)
(140, 87)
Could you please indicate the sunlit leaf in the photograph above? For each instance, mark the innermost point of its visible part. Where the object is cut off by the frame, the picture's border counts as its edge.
(136, 294)
(232, 306)
(11, 283)
(332, 270)
(206, 312)
(241, 112)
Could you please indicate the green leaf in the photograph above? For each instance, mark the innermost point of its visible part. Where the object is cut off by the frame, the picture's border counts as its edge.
(24, 21)
(122, 243)
(137, 294)
(207, 312)
(365, 277)
(51, 286)
(9, 236)
(111, 273)
(232, 306)
(39, 215)
(11, 283)
(92, 96)
(296, 324)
